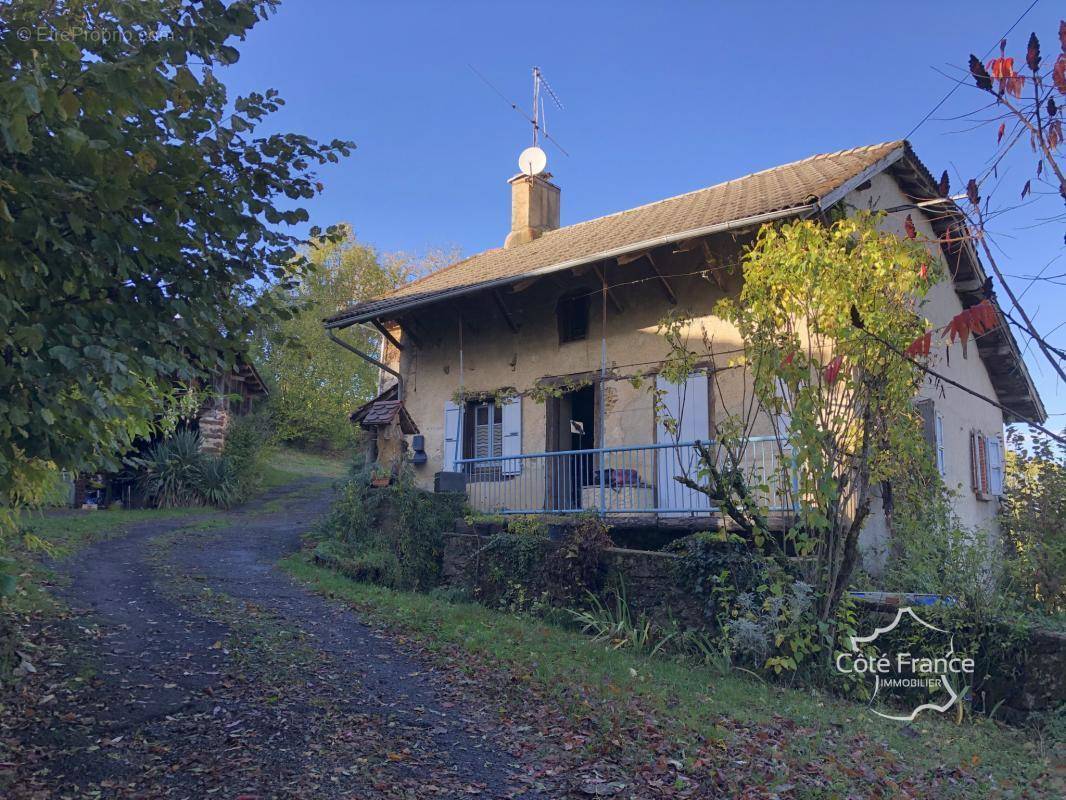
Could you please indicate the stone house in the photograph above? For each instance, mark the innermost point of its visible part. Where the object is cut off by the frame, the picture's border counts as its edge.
(515, 363)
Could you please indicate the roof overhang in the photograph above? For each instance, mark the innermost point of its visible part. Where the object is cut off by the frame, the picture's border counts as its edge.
(998, 348)
(385, 309)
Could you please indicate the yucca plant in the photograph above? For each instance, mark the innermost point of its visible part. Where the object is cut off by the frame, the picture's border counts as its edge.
(217, 482)
(170, 472)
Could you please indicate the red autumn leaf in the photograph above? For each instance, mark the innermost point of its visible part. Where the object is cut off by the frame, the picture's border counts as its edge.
(1026, 189)
(944, 185)
(980, 74)
(1002, 130)
(971, 192)
(1032, 54)
(787, 362)
(976, 319)
(833, 369)
(983, 316)
(908, 225)
(923, 273)
(1054, 133)
(1058, 74)
(1002, 70)
(920, 346)
(959, 328)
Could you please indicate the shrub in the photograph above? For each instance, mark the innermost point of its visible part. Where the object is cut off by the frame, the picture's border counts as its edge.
(399, 520)
(520, 571)
(176, 472)
(216, 483)
(247, 441)
(170, 471)
(1033, 521)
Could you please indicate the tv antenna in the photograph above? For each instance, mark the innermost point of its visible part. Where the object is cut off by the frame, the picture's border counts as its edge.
(537, 119)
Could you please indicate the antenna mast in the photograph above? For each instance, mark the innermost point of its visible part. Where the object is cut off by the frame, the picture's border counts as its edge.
(539, 120)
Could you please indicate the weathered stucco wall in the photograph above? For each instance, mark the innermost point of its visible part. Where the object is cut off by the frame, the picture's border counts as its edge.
(493, 357)
(960, 411)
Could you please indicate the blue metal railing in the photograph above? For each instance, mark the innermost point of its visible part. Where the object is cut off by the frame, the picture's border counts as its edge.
(637, 481)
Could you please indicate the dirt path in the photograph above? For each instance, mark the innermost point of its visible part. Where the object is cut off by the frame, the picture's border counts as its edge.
(192, 668)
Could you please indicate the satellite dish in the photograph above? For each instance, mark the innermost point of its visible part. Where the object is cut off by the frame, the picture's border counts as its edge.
(532, 161)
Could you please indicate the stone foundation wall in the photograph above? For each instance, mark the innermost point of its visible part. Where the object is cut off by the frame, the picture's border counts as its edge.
(651, 589)
(647, 575)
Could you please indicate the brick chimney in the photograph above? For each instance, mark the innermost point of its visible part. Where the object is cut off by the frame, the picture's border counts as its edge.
(534, 208)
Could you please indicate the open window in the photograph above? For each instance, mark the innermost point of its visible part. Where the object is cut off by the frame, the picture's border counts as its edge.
(572, 313)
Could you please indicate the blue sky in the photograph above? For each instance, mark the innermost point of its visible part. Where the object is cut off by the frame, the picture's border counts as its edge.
(660, 98)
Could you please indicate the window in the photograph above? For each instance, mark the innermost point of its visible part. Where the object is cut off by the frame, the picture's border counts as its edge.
(483, 429)
(573, 316)
(941, 462)
(485, 423)
(986, 464)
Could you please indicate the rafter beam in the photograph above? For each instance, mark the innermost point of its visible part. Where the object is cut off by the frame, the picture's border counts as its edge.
(667, 288)
(504, 310)
(412, 331)
(712, 262)
(610, 295)
(387, 334)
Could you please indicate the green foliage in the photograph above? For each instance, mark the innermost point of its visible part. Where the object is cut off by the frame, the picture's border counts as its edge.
(138, 205)
(248, 440)
(216, 482)
(527, 525)
(526, 572)
(759, 613)
(613, 623)
(818, 303)
(170, 472)
(391, 535)
(1033, 522)
(315, 383)
(176, 472)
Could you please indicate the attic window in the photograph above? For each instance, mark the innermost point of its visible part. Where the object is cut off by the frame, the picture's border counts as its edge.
(573, 315)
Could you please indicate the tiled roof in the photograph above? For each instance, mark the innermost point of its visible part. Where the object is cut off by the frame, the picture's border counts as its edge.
(382, 410)
(791, 186)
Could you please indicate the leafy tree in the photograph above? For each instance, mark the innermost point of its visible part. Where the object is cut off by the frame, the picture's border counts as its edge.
(818, 305)
(137, 206)
(315, 383)
(1033, 520)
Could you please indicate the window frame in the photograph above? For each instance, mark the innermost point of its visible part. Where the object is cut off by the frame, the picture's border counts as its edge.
(938, 443)
(570, 307)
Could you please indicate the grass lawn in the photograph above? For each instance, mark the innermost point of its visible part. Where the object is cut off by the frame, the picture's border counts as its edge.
(697, 705)
(285, 464)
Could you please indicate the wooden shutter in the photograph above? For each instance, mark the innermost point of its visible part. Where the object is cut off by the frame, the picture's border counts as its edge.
(995, 466)
(979, 462)
(453, 435)
(512, 435)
